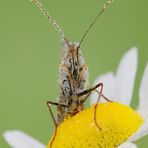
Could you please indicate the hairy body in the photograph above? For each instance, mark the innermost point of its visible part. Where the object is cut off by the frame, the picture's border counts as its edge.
(73, 79)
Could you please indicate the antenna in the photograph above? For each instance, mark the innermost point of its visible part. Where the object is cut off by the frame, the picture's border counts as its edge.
(51, 20)
(106, 5)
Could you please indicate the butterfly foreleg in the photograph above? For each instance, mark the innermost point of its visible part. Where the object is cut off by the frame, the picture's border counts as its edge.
(49, 103)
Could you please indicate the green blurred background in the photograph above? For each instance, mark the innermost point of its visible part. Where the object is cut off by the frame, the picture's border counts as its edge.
(30, 53)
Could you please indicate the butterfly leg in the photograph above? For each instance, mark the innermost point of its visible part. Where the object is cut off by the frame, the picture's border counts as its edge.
(54, 121)
(49, 103)
(96, 106)
(90, 90)
(87, 93)
(104, 97)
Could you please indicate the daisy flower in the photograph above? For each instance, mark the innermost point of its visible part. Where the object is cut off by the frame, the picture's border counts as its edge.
(119, 87)
(120, 124)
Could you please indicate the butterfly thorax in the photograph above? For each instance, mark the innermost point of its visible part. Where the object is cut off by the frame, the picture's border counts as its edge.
(73, 76)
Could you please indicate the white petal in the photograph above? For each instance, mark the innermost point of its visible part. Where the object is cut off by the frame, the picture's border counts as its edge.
(143, 107)
(128, 145)
(143, 102)
(108, 80)
(18, 139)
(126, 76)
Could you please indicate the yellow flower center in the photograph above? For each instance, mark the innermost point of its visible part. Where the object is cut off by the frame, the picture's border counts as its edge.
(117, 121)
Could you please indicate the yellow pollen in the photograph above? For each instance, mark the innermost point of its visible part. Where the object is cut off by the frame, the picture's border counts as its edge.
(117, 121)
